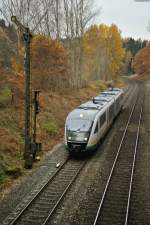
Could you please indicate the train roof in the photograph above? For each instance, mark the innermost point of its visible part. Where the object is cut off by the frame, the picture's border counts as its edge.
(91, 105)
(81, 113)
(113, 92)
(89, 110)
(103, 98)
(114, 89)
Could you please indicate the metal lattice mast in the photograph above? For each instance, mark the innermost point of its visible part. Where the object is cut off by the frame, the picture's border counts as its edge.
(28, 156)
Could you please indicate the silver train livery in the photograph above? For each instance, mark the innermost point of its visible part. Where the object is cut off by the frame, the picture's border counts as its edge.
(86, 125)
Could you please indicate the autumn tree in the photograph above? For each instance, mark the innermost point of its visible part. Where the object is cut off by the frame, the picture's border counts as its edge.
(93, 47)
(116, 50)
(132, 45)
(66, 19)
(6, 50)
(77, 16)
(127, 67)
(103, 50)
(49, 63)
(6, 53)
(48, 66)
(141, 61)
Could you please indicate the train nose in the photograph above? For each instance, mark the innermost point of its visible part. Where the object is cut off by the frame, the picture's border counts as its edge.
(77, 147)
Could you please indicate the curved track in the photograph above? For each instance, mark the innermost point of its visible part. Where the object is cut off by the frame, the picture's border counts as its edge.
(115, 202)
(42, 206)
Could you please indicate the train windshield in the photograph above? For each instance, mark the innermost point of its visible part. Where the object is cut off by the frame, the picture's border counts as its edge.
(82, 125)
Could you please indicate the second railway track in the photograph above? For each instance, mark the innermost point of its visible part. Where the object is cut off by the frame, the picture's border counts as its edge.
(115, 202)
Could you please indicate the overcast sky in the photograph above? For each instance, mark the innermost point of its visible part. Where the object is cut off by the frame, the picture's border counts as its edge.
(131, 17)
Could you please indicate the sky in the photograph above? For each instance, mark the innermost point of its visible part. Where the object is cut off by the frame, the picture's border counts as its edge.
(131, 17)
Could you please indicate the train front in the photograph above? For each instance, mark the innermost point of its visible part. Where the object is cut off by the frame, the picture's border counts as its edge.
(77, 130)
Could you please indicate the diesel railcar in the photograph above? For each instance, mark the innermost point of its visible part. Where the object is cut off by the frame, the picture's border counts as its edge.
(88, 123)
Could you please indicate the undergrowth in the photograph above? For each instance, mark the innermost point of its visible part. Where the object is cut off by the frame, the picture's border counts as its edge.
(5, 96)
(50, 127)
(50, 123)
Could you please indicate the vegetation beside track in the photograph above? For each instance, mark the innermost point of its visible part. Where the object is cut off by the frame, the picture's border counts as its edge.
(54, 109)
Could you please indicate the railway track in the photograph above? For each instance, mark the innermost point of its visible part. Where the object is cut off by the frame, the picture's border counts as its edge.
(115, 203)
(42, 206)
(39, 210)
(130, 91)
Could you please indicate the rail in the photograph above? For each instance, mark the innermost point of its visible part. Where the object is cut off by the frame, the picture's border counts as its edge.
(101, 205)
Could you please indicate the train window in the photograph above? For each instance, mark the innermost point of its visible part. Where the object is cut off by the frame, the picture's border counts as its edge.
(102, 119)
(96, 128)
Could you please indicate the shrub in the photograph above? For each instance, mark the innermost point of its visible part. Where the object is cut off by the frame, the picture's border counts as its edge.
(2, 176)
(50, 127)
(5, 95)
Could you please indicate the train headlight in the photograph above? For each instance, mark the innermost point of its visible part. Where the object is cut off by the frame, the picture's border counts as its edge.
(85, 139)
(69, 138)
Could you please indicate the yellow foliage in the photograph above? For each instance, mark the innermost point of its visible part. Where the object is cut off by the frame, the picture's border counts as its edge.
(116, 50)
(103, 51)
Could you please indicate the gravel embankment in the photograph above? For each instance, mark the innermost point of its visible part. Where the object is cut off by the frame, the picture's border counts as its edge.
(140, 210)
(28, 185)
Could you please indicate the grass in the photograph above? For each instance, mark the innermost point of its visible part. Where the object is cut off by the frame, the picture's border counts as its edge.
(5, 95)
(50, 127)
(10, 167)
(11, 144)
(97, 85)
(2, 175)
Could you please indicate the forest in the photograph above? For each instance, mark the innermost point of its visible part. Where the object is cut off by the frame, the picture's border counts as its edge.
(71, 60)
